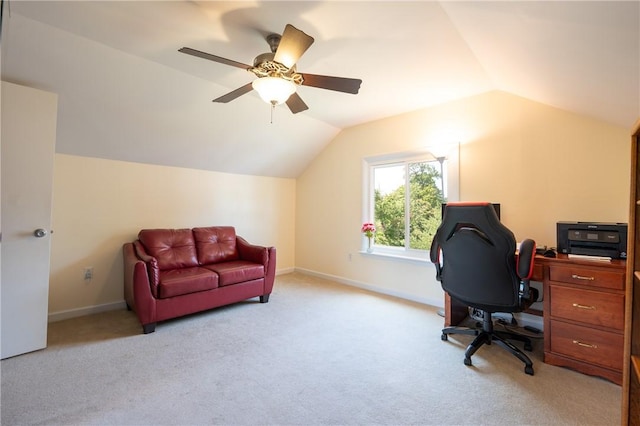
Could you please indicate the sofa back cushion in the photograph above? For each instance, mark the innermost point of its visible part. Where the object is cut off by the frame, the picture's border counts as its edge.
(173, 248)
(216, 244)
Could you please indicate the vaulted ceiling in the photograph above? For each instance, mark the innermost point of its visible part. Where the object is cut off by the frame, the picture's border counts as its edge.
(126, 93)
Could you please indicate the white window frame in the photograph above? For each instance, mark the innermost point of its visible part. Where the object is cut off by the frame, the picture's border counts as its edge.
(451, 181)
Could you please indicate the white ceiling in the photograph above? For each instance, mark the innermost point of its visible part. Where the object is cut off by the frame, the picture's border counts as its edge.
(126, 93)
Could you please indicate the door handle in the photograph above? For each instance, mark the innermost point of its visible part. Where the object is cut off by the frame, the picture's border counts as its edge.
(39, 233)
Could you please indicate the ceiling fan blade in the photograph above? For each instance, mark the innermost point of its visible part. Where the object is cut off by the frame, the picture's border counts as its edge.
(209, 56)
(235, 94)
(339, 84)
(296, 104)
(292, 45)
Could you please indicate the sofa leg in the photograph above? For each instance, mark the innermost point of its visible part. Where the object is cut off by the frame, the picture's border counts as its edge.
(149, 328)
(264, 298)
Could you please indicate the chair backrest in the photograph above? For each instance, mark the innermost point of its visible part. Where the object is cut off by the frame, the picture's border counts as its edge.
(475, 257)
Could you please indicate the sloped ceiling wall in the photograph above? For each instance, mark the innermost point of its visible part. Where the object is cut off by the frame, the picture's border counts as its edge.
(125, 92)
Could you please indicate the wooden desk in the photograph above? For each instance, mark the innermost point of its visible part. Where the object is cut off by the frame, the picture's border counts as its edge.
(583, 314)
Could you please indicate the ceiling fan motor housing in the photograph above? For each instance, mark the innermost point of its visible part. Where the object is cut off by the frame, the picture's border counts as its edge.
(265, 66)
(263, 58)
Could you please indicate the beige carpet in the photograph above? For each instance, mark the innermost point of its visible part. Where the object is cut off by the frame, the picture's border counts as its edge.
(318, 353)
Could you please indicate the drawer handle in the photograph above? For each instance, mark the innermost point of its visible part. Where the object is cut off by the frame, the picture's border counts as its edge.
(577, 305)
(585, 345)
(580, 277)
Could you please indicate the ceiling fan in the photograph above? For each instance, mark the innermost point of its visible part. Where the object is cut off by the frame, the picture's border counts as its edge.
(277, 78)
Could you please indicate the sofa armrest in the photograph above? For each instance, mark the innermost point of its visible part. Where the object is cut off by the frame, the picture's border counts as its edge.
(137, 290)
(252, 252)
(270, 273)
(152, 266)
(263, 255)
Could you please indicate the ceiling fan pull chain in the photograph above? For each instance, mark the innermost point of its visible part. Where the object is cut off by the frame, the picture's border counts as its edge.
(273, 106)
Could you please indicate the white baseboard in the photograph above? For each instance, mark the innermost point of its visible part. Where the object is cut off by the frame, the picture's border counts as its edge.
(522, 318)
(88, 310)
(285, 271)
(373, 288)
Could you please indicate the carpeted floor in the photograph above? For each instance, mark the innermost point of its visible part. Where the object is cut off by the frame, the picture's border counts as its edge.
(319, 353)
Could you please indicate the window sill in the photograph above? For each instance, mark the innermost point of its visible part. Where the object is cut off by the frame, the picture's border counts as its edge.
(398, 257)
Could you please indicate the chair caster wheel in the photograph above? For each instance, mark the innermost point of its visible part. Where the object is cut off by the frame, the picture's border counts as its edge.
(444, 337)
(529, 370)
(467, 361)
(528, 347)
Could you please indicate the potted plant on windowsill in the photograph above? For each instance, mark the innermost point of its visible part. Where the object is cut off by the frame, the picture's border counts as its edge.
(369, 229)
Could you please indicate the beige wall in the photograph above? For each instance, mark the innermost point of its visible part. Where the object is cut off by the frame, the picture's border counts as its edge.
(542, 164)
(100, 204)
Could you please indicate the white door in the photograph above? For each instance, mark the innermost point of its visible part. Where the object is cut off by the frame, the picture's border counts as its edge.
(28, 121)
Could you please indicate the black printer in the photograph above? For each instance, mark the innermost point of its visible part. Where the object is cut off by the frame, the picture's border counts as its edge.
(593, 239)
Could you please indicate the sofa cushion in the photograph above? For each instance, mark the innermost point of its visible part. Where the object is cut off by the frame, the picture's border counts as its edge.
(215, 244)
(236, 271)
(173, 248)
(176, 282)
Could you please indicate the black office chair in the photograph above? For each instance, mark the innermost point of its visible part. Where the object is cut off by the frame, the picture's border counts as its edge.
(476, 263)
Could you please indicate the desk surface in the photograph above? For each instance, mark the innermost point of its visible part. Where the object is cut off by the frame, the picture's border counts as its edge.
(565, 259)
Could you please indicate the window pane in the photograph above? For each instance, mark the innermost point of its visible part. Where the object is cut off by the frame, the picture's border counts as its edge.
(389, 205)
(425, 198)
(405, 192)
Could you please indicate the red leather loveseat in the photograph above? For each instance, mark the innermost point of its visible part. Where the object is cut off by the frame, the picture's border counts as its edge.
(169, 273)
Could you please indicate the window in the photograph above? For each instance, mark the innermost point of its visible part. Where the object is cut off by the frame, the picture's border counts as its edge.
(404, 197)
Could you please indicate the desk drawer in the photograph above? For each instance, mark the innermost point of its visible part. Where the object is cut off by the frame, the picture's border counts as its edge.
(589, 277)
(586, 344)
(588, 306)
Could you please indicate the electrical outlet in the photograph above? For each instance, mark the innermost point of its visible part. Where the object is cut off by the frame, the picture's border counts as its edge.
(88, 273)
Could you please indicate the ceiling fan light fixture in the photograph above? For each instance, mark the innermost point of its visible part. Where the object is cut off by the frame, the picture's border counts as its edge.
(274, 90)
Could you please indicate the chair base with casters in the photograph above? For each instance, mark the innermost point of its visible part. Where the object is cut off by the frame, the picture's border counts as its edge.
(487, 335)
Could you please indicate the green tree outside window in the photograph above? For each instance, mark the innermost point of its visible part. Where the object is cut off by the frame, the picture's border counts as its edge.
(423, 197)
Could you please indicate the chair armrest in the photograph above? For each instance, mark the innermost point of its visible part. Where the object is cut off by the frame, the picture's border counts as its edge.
(524, 267)
(526, 257)
(434, 255)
